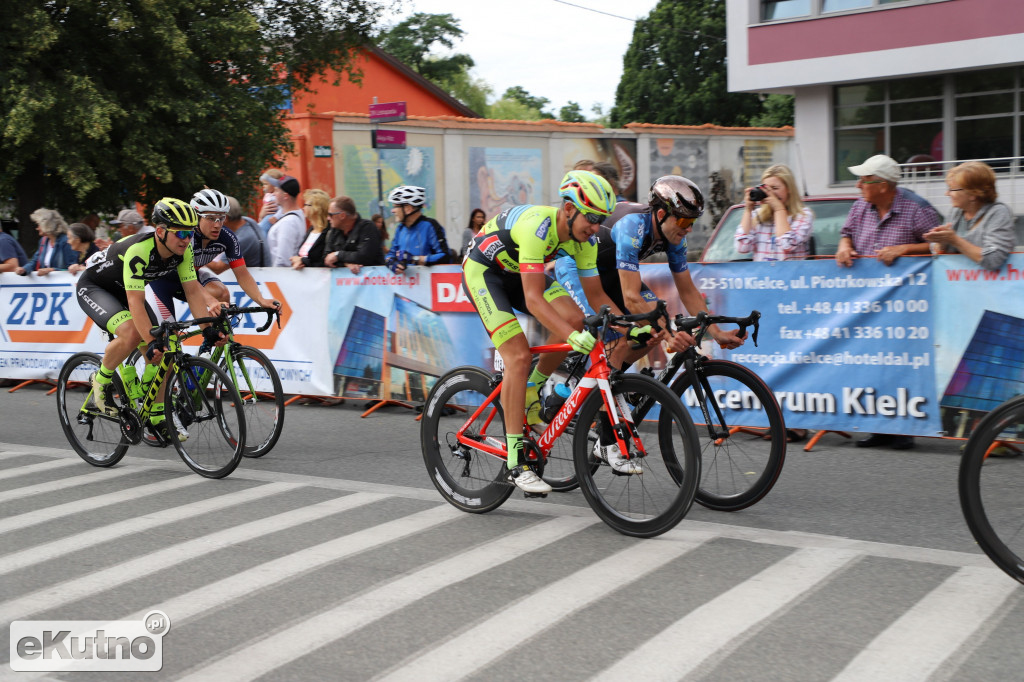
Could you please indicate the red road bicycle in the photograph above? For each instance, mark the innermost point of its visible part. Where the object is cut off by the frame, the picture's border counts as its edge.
(466, 456)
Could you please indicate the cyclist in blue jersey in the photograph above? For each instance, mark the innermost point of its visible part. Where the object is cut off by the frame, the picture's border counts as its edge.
(210, 241)
(639, 231)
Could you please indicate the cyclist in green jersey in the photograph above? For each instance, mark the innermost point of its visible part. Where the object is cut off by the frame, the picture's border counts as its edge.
(504, 270)
(112, 291)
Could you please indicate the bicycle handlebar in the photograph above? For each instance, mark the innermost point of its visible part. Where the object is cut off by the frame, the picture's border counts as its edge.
(702, 321)
(166, 327)
(604, 318)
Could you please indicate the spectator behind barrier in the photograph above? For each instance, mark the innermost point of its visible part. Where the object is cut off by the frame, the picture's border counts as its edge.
(418, 240)
(476, 221)
(53, 252)
(311, 252)
(352, 241)
(82, 240)
(888, 221)
(270, 212)
(979, 227)
(287, 232)
(781, 228)
(12, 256)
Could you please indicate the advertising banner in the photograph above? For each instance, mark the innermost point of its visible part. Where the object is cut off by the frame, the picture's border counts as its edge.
(42, 325)
(843, 349)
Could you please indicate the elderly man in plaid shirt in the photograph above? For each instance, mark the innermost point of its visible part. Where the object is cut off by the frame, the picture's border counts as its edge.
(888, 221)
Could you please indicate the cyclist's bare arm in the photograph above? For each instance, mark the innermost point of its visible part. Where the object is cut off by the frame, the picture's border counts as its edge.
(249, 286)
(199, 302)
(596, 295)
(694, 303)
(534, 285)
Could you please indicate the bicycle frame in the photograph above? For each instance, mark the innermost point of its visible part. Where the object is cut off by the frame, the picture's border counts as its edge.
(596, 377)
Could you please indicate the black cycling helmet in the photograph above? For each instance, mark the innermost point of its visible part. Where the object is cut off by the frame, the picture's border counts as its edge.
(174, 214)
(677, 196)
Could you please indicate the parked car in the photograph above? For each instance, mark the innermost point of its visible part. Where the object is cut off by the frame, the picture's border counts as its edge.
(829, 216)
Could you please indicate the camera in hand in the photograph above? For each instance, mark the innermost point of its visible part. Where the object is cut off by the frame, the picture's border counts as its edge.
(758, 194)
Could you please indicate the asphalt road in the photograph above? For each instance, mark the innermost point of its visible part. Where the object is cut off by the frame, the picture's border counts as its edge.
(334, 558)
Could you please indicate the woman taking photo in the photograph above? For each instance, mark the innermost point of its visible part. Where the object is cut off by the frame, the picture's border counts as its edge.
(781, 228)
(979, 227)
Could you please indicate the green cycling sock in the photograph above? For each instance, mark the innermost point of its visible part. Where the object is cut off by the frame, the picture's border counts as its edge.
(156, 414)
(104, 376)
(514, 443)
(537, 378)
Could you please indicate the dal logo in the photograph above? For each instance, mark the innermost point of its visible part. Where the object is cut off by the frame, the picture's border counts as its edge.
(447, 294)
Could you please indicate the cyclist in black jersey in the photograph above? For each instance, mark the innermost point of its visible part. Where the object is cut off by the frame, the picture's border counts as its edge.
(209, 241)
(112, 290)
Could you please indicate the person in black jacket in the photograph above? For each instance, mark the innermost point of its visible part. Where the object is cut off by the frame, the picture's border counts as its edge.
(352, 241)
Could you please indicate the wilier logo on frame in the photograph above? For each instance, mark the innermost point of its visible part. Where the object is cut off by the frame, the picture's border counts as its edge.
(93, 645)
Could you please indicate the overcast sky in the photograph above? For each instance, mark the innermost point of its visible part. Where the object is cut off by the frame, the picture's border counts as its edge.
(551, 49)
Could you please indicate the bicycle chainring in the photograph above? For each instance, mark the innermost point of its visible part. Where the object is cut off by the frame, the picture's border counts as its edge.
(131, 425)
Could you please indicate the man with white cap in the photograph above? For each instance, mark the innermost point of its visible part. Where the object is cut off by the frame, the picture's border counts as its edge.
(888, 221)
(130, 222)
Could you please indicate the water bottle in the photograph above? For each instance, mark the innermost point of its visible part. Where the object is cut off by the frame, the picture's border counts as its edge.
(553, 395)
(131, 382)
(148, 374)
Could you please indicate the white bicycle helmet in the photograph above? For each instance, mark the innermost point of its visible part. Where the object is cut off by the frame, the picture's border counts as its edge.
(210, 201)
(408, 195)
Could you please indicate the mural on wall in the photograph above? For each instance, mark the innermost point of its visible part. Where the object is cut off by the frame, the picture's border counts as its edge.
(412, 166)
(501, 177)
(681, 156)
(619, 152)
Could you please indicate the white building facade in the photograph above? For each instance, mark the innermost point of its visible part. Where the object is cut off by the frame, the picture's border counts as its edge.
(928, 82)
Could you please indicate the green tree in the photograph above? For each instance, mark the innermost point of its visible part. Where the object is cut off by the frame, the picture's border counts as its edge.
(412, 41)
(571, 113)
(104, 102)
(508, 109)
(674, 71)
(518, 94)
(776, 111)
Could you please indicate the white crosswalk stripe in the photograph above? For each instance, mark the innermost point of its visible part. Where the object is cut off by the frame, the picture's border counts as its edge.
(932, 635)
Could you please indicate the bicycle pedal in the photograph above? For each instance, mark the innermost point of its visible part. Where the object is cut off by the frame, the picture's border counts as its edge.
(538, 495)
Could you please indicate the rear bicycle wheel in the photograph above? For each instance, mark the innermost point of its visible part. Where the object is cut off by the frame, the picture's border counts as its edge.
(741, 462)
(208, 416)
(648, 504)
(991, 482)
(96, 436)
(469, 479)
(259, 386)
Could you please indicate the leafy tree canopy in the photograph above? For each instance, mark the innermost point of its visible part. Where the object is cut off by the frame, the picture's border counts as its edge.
(571, 113)
(104, 102)
(674, 71)
(413, 39)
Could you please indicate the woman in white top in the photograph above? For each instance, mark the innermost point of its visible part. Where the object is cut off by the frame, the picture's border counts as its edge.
(781, 228)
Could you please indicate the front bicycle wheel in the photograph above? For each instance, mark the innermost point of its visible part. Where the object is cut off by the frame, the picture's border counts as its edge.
(206, 420)
(96, 436)
(992, 486)
(649, 503)
(742, 434)
(262, 398)
(469, 479)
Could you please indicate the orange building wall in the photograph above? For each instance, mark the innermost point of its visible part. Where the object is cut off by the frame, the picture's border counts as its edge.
(310, 125)
(380, 80)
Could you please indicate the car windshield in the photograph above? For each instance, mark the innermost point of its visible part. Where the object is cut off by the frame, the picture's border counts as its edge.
(829, 216)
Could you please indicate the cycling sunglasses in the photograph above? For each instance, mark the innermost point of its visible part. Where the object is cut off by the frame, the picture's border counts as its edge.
(594, 218)
(182, 234)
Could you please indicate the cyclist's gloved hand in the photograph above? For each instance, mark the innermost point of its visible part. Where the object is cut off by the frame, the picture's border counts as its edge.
(211, 335)
(581, 342)
(152, 347)
(640, 335)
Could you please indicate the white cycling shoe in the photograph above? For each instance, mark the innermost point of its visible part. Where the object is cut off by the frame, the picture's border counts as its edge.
(527, 480)
(615, 459)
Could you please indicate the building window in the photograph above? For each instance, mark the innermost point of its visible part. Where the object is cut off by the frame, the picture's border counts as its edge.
(911, 119)
(775, 10)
